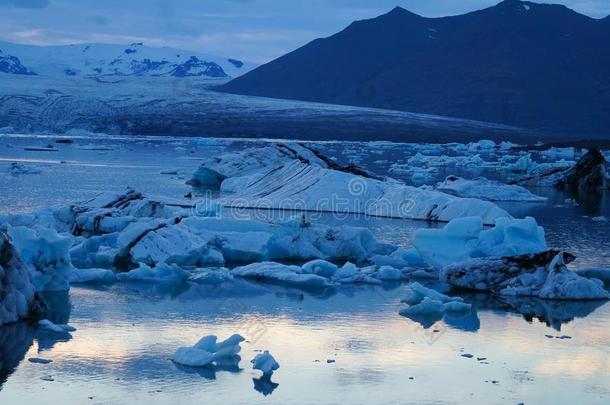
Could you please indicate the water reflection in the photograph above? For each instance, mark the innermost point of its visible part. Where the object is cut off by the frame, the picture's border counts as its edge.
(264, 385)
(58, 312)
(553, 313)
(230, 365)
(15, 341)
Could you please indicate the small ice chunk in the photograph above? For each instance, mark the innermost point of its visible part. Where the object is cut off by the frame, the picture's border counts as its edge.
(265, 363)
(18, 168)
(162, 273)
(320, 267)
(39, 360)
(207, 350)
(388, 273)
(47, 325)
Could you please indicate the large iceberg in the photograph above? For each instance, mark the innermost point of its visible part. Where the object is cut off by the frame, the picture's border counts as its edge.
(305, 180)
(18, 297)
(46, 255)
(466, 238)
(542, 275)
(150, 239)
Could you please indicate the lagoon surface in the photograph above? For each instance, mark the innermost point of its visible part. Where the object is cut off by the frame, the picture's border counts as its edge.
(348, 342)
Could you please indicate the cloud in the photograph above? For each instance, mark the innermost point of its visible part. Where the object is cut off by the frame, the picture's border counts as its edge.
(24, 3)
(99, 19)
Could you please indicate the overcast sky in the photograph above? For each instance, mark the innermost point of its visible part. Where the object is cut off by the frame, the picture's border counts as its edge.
(255, 30)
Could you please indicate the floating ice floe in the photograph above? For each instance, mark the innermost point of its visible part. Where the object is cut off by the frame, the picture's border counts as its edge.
(48, 326)
(589, 173)
(318, 273)
(152, 240)
(265, 363)
(297, 178)
(484, 144)
(523, 164)
(465, 238)
(18, 298)
(485, 189)
(559, 153)
(542, 275)
(17, 169)
(208, 351)
(162, 272)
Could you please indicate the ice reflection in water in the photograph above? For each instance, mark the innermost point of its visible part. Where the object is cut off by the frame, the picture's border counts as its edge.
(128, 332)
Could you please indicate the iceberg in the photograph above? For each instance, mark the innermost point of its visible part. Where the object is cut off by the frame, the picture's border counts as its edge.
(265, 363)
(48, 326)
(156, 240)
(600, 274)
(199, 241)
(485, 189)
(291, 275)
(271, 178)
(318, 273)
(562, 283)
(208, 351)
(589, 173)
(465, 238)
(542, 275)
(18, 297)
(46, 254)
(161, 273)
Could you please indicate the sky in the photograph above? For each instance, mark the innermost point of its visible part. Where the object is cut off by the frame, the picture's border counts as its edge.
(252, 30)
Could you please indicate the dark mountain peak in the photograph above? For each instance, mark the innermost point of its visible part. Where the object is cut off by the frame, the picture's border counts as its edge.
(519, 7)
(511, 63)
(399, 12)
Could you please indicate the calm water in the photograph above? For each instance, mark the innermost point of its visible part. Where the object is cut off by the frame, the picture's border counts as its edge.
(127, 332)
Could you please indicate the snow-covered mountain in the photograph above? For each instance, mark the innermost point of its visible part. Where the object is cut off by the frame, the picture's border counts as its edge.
(12, 65)
(116, 60)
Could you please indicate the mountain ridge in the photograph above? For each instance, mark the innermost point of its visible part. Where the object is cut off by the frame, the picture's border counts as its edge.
(518, 63)
(136, 59)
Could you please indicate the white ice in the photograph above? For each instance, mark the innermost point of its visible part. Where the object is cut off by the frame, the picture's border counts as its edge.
(207, 351)
(465, 238)
(485, 189)
(265, 363)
